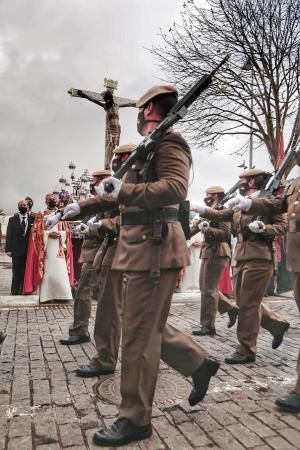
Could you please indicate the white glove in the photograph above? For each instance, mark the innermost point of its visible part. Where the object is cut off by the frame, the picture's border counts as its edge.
(200, 209)
(82, 228)
(109, 196)
(93, 226)
(257, 226)
(203, 226)
(239, 202)
(52, 220)
(71, 210)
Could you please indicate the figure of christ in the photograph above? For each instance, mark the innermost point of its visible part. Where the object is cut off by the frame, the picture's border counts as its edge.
(111, 105)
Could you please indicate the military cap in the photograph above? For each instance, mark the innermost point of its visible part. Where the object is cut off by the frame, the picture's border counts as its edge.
(126, 148)
(215, 190)
(252, 173)
(101, 173)
(154, 92)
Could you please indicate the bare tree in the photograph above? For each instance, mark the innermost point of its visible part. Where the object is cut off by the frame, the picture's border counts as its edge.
(257, 93)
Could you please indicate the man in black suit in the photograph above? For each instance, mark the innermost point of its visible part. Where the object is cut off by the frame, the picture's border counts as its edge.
(17, 235)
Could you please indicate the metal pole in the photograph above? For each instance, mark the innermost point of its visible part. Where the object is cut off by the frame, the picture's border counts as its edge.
(251, 132)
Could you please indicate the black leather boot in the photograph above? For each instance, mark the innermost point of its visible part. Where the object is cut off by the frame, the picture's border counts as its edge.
(75, 340)
(278, 338)
(91, 371)
(290, 402)
(239, 358)
(232, 315)
(121, 432)
(201, 378)
(204, 331)
(2, 336)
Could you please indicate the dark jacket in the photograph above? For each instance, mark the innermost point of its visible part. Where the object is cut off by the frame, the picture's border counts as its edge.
(16, 242)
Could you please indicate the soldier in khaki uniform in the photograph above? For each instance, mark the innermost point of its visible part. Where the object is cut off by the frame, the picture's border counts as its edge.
(290, 203)
(254, 268)
(78, 331)
(151, 251)
(215, 254)
(107, 330)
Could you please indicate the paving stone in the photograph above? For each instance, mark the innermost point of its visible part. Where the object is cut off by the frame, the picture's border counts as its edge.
(291, 435)
(44, 405)
(70, 434)
(20, 426)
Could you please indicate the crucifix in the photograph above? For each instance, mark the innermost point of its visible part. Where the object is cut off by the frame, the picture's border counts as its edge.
(111, 105)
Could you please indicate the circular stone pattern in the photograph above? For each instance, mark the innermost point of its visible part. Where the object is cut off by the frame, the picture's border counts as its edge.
(170, 390)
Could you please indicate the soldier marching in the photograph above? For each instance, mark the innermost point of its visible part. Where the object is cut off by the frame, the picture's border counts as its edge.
(147, 249)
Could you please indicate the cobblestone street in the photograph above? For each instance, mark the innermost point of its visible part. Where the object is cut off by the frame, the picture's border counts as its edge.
(45, 406)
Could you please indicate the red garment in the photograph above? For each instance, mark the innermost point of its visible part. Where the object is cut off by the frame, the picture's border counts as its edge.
(34, 271)
(225, 281)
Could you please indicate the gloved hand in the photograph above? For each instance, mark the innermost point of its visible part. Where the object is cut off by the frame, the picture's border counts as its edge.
(52, 220)
(239, 202)
(203, 226)
(93, 226)
(109, 196)
(197, 208)
(257, 226)
(82, 228)
(71, 210)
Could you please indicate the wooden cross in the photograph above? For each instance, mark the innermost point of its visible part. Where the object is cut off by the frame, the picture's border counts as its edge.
(111, 105)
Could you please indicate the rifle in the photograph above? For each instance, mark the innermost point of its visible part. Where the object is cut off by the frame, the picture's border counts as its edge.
(274, 182)
(175, 114)
(229, 194)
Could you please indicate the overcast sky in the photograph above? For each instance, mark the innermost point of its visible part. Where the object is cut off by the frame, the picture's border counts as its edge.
(48, 46)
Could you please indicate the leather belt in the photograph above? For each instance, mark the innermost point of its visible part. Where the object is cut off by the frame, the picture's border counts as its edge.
(149, 216)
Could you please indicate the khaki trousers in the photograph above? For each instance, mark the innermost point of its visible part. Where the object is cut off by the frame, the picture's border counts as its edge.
(146, 337)
(251, 279)
(296, 288)
(212, 300)
(82, 303)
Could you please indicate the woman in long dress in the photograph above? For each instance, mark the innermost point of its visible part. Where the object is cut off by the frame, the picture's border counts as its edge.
(49, 266)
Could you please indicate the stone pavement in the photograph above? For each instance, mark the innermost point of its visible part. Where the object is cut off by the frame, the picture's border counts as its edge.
(45, 406)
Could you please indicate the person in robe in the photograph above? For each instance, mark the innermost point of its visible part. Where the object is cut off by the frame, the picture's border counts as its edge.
(49, 265)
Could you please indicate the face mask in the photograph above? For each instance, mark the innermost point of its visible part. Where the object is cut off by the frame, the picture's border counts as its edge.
(208, 201)
(92, 188)
(141, 121)
(244, 188)
(22, 209)
(51, 204)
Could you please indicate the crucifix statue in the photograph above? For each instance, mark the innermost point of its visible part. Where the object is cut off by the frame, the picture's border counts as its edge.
(111, 105)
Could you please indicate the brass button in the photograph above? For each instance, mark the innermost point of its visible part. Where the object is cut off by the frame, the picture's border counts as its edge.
(133, 166)
(144, 237)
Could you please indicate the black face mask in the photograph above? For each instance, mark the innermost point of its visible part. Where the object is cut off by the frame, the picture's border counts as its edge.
(141, 121)
(51, 204)
(244, 188)
(208, 201)
(92, 188)
(22, 209)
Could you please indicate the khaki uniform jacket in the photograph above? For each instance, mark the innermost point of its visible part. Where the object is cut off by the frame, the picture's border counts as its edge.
(90, 247)
(251, 245)
(165, 185)
(216, 240)
(290, 203)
